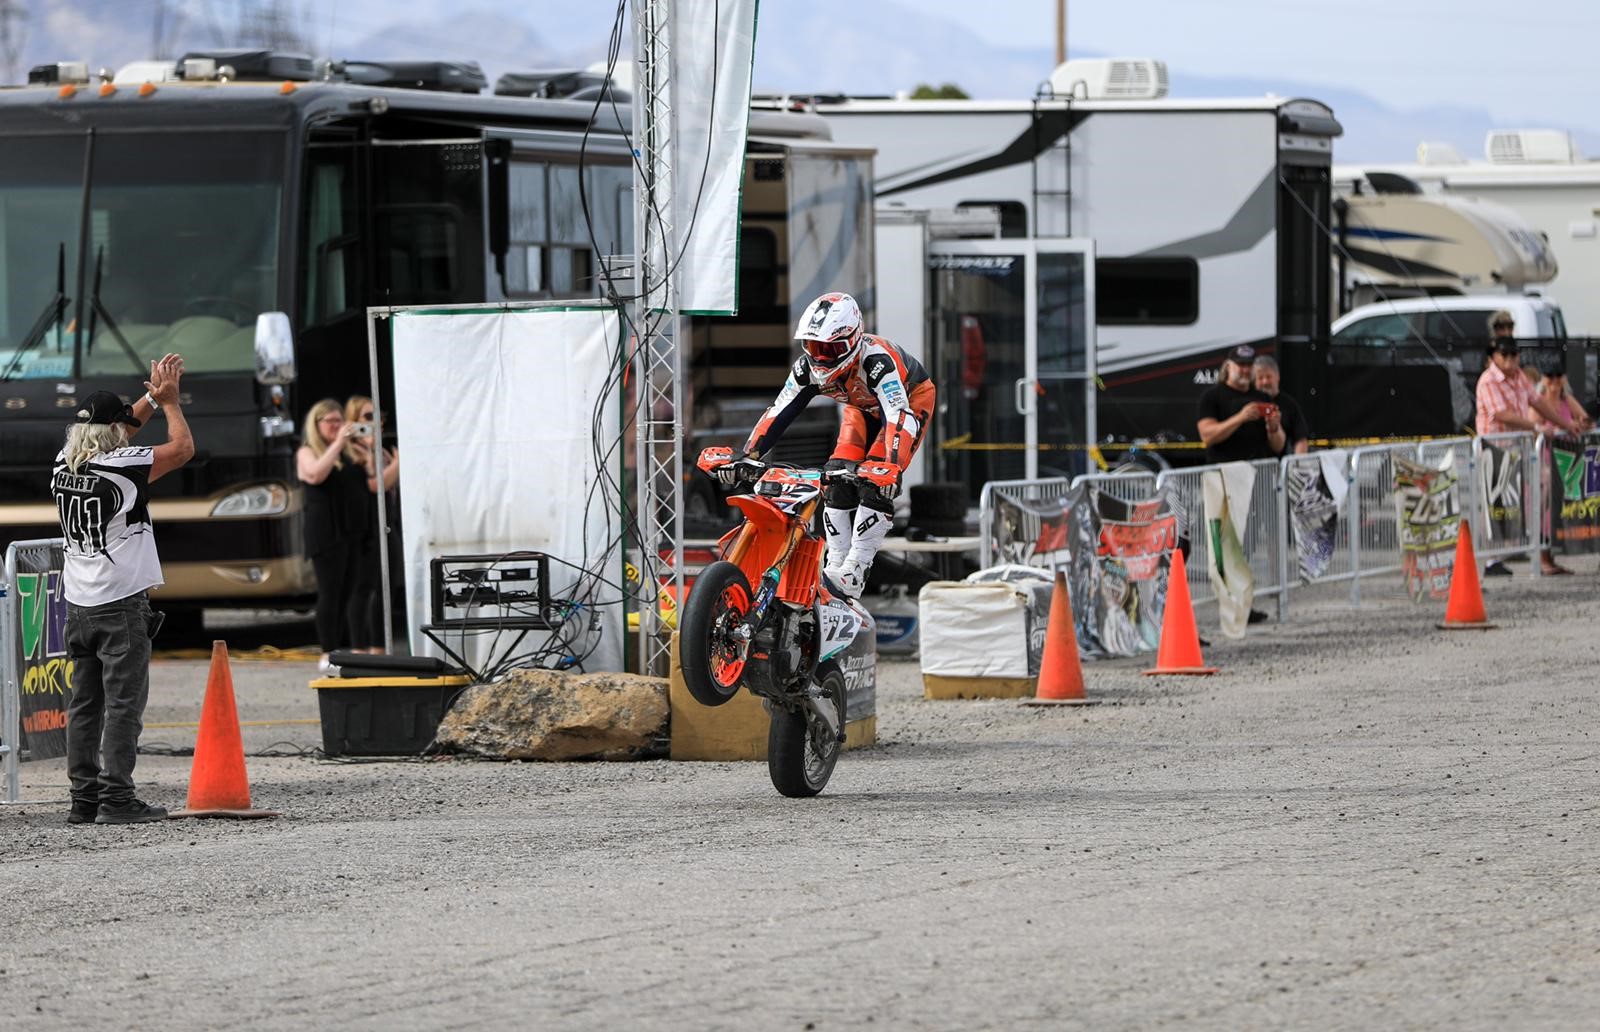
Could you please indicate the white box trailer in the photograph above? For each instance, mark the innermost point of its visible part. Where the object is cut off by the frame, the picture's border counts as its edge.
(1141, 239)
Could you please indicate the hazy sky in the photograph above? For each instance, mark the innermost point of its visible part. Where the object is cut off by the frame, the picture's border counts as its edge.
(1530, 60)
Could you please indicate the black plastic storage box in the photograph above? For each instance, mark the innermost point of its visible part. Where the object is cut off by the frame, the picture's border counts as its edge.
(389, 715)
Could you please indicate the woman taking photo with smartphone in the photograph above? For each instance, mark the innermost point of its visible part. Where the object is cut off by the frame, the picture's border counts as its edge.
(341, 527)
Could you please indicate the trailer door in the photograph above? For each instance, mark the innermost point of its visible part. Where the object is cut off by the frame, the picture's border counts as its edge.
(1012, 350)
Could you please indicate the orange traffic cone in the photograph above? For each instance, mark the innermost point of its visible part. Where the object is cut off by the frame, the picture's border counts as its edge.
(1060, 669)
(1179, 652)
(218, 784)
(1464, 611)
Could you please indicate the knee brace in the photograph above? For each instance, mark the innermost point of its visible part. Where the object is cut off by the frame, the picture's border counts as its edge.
(840, 493)
(871, 497)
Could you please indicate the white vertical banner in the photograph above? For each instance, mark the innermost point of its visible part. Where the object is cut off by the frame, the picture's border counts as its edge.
(1226, 492)
(712, 48)
(498, 412)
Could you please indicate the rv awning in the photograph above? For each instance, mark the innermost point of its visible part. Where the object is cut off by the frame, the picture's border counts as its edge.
(804, 146)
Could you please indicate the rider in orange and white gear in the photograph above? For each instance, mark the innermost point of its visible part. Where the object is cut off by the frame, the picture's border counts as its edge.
(888, 400)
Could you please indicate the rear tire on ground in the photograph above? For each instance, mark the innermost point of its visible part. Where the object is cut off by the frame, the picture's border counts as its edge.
(801, 752)
(707, 654)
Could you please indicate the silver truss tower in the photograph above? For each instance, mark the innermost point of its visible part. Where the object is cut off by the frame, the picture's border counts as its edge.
(658, 359)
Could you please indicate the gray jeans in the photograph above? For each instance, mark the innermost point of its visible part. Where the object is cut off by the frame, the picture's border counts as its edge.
(110, 650)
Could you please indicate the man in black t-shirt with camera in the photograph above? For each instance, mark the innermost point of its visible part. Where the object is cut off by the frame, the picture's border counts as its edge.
(1237, 422)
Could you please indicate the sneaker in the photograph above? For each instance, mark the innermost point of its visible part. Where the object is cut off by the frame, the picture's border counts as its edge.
(1497, 569)
(82, 813)
(848, 578)
(131, 812)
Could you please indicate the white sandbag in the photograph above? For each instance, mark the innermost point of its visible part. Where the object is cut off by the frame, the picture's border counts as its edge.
(973, 630)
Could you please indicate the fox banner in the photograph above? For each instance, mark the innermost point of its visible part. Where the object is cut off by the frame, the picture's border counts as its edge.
(1427, 503)
(1576, 498)
(44, 672)
(1500, 486)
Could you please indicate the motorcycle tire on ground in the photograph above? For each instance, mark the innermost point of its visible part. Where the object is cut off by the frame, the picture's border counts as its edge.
(801, 753)
(717, 602)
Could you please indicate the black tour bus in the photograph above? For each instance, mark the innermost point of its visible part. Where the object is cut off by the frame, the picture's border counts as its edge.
(141, 219)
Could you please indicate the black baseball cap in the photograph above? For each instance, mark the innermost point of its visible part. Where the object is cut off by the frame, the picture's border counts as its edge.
(1244, 354)
(106, 408)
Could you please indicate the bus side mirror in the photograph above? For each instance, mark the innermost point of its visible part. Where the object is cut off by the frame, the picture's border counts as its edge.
(274, 349)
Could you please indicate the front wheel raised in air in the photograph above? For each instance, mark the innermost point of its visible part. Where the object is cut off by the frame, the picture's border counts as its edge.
(802, 747)
(710, 654)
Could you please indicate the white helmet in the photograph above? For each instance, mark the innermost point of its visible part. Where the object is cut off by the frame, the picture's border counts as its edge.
(830, 331)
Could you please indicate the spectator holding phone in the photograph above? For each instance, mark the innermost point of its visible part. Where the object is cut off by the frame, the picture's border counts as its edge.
(1286, 414)
(339, 530)
(1237, 422)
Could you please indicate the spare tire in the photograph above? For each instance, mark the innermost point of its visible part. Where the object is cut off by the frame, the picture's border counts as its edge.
(938, 500)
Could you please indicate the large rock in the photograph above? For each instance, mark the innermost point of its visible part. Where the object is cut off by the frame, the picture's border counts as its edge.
(551, 715)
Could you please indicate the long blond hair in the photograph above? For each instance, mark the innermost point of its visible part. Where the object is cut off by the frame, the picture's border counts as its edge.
(86, 440)
(311, 436)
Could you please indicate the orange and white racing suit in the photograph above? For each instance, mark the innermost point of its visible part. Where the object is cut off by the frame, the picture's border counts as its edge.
(888, 401)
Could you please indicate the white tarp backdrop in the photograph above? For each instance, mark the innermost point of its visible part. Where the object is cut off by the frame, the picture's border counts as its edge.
(497, 420)
(713, 45)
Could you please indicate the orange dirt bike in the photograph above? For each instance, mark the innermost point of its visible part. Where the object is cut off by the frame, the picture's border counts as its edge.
(763, 618)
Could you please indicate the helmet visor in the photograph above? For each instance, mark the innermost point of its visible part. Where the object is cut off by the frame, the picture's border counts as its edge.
(828, 352)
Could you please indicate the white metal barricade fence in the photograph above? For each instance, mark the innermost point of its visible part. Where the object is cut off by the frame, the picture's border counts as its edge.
(1374, 528)
(10, 673)
(1495, 532)
(992, 535)
(1364, 540)
(1261, 536)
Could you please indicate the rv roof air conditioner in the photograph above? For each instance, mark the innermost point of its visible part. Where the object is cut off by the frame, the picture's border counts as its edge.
(1531, 147)
(1111, 78)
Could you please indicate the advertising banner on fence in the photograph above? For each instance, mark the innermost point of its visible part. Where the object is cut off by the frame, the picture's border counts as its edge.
(1427, 503)
(1227, 499)
(44, 673)
(1116, 555)
(1577, 494)
(1120, 554)
(1500, 484)
(1317, 488)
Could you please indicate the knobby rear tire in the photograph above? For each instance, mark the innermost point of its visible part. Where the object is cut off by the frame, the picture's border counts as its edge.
(799, 770)
(702, 645)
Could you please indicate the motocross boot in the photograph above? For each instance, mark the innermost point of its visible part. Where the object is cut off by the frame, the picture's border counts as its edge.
(850, 576)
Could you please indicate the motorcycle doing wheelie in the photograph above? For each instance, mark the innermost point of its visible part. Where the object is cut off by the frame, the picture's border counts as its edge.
(763, 618)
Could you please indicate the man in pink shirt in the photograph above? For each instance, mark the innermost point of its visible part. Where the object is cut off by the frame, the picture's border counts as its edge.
(1507, 402)
(1505, 397)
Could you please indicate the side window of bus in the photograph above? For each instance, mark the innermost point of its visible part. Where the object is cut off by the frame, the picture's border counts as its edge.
(331, 263)
(1375, 330)
(428, 207)
(552, 245)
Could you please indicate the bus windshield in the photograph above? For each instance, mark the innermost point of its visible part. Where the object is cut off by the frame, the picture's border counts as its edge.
(182, 250)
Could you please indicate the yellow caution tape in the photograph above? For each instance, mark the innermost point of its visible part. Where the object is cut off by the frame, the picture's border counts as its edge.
(264, 654)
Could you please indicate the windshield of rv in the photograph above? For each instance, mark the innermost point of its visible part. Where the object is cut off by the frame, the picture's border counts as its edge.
(182, 255)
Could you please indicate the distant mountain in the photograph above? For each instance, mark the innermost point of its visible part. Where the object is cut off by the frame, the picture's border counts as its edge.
(819, 46)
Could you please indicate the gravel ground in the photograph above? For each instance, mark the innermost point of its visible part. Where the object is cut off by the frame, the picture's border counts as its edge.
(1362, 822)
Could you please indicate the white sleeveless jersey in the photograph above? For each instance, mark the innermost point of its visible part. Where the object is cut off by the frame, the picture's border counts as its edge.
(104, 511)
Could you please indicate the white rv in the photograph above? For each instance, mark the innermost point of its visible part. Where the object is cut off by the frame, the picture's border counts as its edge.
(1141, 237)
(1393, 241)
(1540, 175)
